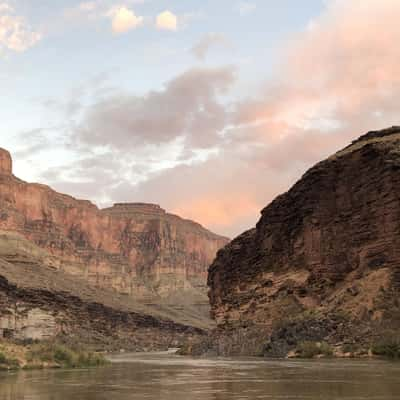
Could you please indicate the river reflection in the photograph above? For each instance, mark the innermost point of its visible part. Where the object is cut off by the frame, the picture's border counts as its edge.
(169, 377)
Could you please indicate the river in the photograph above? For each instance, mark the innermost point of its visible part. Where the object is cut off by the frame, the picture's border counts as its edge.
(170, 377)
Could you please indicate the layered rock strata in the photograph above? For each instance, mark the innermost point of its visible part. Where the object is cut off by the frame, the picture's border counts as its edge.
(38, 302)
(135, 249)
(323, 262)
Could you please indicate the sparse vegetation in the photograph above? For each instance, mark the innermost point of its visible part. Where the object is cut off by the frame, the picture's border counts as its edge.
(387, 346)
(64, 356)
(326, 349)
(307, 350)
(46, 355)
(312, 349)
(7, 362)
(352, 349)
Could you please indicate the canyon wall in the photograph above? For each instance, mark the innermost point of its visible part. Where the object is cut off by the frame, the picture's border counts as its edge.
(134, 248)
(323, 262)
(38, 302)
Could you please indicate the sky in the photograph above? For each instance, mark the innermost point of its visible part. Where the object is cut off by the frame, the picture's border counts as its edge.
(209, 108)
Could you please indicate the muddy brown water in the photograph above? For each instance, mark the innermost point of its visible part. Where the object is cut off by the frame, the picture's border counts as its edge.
(170, 377)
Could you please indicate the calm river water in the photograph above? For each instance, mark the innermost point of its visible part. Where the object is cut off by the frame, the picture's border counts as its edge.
(169, 377)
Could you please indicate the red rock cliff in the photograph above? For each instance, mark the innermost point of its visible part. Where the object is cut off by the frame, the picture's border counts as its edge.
(137, 249)
(5, 162)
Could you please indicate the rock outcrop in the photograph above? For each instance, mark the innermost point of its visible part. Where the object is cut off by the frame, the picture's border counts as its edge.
(135, 249)
(5, 162)
(323, 262)
(40, 303)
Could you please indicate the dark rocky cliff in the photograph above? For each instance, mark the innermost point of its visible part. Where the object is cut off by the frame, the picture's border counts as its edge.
(323, 262)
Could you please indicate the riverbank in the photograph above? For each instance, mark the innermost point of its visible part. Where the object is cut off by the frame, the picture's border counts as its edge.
(289, 345)
(58, 354)
(14, 356)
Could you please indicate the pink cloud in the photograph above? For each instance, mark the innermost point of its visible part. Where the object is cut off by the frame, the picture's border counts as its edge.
(336, 80)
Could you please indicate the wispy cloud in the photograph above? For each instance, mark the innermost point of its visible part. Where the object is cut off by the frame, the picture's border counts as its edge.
(88, 6)
(203, 46)
(246, 7)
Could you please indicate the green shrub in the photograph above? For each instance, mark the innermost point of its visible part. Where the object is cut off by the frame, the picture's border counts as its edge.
(8, 363)
(65, 356)
(326, 349)
(42, 352)
(353, 349)
(307, 350)
(91, 360)
(387, 346)
(312, 349)
(349, 348)
(3, 358)
(13, 363)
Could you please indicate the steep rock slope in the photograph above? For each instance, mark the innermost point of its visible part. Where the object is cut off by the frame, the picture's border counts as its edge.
(323, 262)
(38, 302)
(136, 249)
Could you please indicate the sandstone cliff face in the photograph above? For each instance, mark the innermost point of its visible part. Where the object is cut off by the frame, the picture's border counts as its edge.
(29, 311)
(38, 302)
(325, 254)
(5, 162)
(135, 249)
